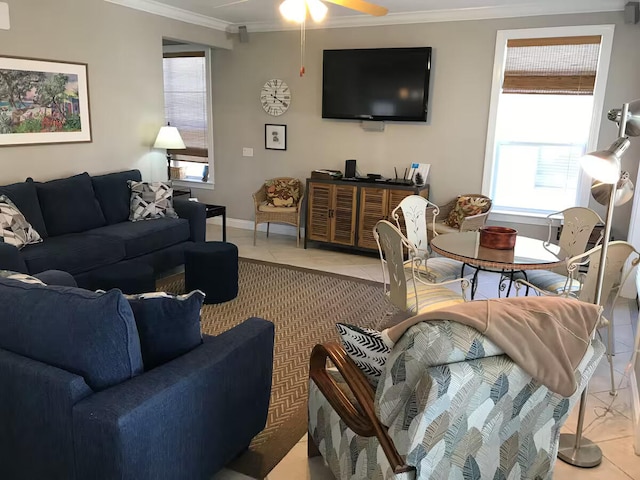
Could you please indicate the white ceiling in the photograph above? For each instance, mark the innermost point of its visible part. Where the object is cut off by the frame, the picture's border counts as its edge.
(263, 15)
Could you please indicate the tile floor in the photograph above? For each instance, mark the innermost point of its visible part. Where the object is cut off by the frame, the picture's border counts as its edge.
(607, 419)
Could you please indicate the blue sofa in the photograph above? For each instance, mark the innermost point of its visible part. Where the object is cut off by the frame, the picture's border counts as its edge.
(84, 223)
(77, 403)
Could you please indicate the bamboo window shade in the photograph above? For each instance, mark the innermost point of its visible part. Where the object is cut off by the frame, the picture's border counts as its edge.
(185, 102)
(552, 66)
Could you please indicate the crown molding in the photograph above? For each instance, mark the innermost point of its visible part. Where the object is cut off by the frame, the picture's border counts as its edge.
(163, 10)
(449, 15)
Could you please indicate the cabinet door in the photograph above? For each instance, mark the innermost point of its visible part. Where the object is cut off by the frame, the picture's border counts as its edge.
(319, 204)
(395, 197)
(373, 207)
(343, 215)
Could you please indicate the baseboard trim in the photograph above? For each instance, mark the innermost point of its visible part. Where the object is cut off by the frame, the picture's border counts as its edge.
(278, 228)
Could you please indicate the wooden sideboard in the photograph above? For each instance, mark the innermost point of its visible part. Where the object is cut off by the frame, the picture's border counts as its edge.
(344, 213)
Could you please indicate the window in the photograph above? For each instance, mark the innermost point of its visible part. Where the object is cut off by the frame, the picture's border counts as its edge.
(546, 106)
(187, 106)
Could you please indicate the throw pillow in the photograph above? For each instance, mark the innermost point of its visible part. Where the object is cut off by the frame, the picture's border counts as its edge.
(466, 207)
(283, 192)
(14, 228)
(367, 348)
(150, 200)
(168, 325)
(20, 277)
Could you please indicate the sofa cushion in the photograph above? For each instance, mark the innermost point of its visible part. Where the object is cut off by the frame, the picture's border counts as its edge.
(114, 195)
(14, 228)
(140, 238)
(25, 196)
(151, 200)
(69, 205)
(86, 333)
(168, 325)
(75, 253)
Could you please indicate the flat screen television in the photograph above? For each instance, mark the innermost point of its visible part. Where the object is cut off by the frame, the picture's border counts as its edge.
(376, 84)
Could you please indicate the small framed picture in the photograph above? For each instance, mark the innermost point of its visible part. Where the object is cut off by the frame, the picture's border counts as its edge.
(275, 137)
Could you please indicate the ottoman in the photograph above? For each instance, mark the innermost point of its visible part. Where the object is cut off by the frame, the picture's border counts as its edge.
(129, 277)
(213, 268)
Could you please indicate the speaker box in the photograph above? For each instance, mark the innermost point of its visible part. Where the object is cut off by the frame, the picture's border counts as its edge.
(349, 168)
(631, 12)
(244, 34)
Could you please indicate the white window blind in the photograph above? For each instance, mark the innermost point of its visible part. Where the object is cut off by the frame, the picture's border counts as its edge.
(185, 102)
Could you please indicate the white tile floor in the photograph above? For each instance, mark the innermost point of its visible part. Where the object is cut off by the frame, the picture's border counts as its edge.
(607, 419)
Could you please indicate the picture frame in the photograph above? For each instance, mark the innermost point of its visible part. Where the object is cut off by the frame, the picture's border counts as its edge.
(43, 102)
(275, 137)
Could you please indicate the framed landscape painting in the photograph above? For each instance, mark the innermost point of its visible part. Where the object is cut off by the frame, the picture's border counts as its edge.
(43, 102)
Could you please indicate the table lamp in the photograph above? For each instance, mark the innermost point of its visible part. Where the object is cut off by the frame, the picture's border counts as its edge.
(603, 166)
(169, 138)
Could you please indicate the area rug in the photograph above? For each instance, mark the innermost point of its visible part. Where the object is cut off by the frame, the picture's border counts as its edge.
(304, 305)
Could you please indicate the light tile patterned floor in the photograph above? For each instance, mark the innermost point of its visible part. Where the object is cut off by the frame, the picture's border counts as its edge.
(607, 419)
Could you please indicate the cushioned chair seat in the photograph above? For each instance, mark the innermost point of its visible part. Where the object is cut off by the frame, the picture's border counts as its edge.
(431, 297)
(267, 207)
(140, 238)
(73, 253)
(550, 281)
(440, 269)
(443, 228)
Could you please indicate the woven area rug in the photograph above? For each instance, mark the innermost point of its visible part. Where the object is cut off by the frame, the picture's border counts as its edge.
(304, 305)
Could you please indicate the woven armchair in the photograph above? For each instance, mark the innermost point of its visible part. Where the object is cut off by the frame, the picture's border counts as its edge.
(436, 216)
(266, 213)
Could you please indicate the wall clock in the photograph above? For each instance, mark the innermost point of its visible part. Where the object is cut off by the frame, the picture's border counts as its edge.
(275, 97)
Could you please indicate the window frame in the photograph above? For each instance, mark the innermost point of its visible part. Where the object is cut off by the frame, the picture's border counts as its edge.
(502, 36)
(185, 48)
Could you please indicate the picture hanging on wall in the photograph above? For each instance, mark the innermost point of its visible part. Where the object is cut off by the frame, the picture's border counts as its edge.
(43, 101)
(275, 137)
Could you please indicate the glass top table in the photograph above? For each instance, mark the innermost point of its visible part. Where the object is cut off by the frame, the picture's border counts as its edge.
(528, 254)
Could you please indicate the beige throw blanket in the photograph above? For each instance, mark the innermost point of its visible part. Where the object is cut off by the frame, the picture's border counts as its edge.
(546, 336)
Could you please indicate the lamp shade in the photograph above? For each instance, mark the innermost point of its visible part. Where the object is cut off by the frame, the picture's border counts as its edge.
(604, 165)
(169, 137)
(294, 10)
(601, 192)
(633, 118)
(317, 10)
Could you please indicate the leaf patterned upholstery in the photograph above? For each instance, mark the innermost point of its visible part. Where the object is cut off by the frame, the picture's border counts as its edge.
(456, 407)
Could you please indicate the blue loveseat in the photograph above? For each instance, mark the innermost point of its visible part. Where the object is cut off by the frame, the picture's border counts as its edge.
(84, 223)
(76, 402)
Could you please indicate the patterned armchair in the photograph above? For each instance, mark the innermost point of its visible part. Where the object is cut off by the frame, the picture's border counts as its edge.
(464, 213)
(449, 405)
(278, 200)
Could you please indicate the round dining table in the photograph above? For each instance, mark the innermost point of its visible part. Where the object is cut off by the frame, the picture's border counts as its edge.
(528, 254)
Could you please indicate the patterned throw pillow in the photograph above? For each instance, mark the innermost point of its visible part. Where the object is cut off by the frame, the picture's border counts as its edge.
(21, 277)
(168, 325)
(150, 200)
(466, 207)
(14, 228)
(366, 348)
(282, 192)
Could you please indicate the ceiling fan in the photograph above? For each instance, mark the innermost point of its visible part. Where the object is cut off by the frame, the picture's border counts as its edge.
(296, 10)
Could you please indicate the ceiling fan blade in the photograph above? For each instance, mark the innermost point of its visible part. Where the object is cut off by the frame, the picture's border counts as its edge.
(228, 4)
(361, 6)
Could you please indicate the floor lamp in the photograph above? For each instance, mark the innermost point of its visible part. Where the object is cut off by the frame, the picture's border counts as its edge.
(603, 166)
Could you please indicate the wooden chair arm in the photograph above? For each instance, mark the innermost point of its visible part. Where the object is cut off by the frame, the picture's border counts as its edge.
(363, 420)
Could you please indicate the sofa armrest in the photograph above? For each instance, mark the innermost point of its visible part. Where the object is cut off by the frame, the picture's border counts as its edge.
(11, 259)
(184, 419)
(196, 213)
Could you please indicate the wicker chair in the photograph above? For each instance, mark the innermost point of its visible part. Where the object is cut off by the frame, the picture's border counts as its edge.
(436, 220)
(267, 213)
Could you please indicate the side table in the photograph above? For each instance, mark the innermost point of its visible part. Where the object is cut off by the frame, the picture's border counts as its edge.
(217, 210)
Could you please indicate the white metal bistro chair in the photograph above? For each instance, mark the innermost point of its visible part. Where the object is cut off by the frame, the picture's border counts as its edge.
(413, 210)
(406, 289)
(618, 253)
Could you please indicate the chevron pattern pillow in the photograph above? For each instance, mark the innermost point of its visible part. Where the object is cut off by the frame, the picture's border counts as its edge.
(150, 200)
(366, 348)
(14, 228)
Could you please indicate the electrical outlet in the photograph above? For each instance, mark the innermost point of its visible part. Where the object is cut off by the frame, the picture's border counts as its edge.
(247, 152)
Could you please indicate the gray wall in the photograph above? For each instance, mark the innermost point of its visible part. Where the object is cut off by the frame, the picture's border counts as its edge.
(123, 50)
(453, 139)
